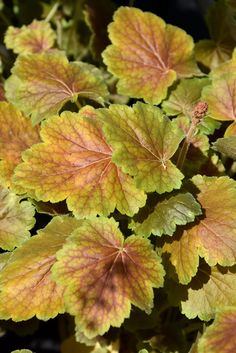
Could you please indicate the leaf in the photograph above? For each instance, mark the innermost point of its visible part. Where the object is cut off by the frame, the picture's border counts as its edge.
(104, 274)
(185, 96)
(22, 351)
(219, 337)
(41, 84)
(16, 135)
(35, 38)
(227, 146)
(143, 141)
(147, 55)
(225, 68)
(27, 288)
(16, 219)
(213, 237)
(74, 162)
(210, 291)
(177, 210)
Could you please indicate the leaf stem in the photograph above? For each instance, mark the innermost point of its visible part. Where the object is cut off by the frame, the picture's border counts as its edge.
(52, 12)
(184, 149)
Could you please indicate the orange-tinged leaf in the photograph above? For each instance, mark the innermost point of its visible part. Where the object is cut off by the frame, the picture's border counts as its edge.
(74, 162)
(220, 337)
(41, 84)
(16, 135)
(143, 141)
(34, 38)
(26, 286)
(16, 219)
(104, 274)
(147, 55)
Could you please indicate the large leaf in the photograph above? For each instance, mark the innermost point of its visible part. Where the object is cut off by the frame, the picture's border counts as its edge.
(147, 55)
(16, 219)
(16, 135)
(26, 286)
(34, 38)
(42, 83)
(74, 162)
(177, 210)
(143, 142)
(220, 336)
(104, 274)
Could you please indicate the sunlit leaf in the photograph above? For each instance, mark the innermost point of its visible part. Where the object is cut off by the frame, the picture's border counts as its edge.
(104, 274)
(224, 68)
(144, 140)
(227, 146)
(16, 135)
(42, 83)
(16, 219)
(219, 337)
(147, 55)
(177, 210)
(22, 351)
(35, 38)
(26, 287)
(74, 162)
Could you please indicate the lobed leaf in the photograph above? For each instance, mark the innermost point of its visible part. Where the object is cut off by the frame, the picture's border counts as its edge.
(41, 84)
(227, 146)
(177, 210)
(147, 55)
(143, 141)
(104, 274)
(219, 337)
(74, 162)
(26, 286)
(16, 219)
(36, 37)
(16, 135)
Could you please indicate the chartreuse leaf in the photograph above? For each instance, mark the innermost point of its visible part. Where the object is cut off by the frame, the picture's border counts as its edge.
(210, 291)
(147, 55)
(16, 219)
(26, 286)
(22, 351)
(34, 38)
(74, 162)
(16, 135)
(104, 274)
(219, 337)
(143, 141)
(177, 210)
(227, 146)
(42, 83)
(214, 236)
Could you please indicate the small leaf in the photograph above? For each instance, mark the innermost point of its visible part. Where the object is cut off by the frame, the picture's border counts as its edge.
(227, 146)
(41, 84)
(16, 135)
(25, 282)
(147, 55)
(22, 351)
(177, 210)
(219, 337)
(35, 38)
(74, 162)
(16, 219)
(143, 142)
(104, 274)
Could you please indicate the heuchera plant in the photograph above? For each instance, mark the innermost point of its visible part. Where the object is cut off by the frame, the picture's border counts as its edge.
(130, 154)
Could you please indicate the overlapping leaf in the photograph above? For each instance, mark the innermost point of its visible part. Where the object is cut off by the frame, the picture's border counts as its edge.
(147, 55)
(16, 219)
(214, 236)
(26, 286)
(219, 337)
(35, 38)
(143, 142)
(227, 146)
(42, 83)
(16, 135)
(74, 162)
(177, 210)
(104, 274)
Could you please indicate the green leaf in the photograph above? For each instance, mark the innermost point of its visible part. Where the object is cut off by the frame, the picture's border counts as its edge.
(22, 351)
(26, 286)
(103, 274)
(143, 141)
(177, 210)
(227, 146)
(42, 83)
